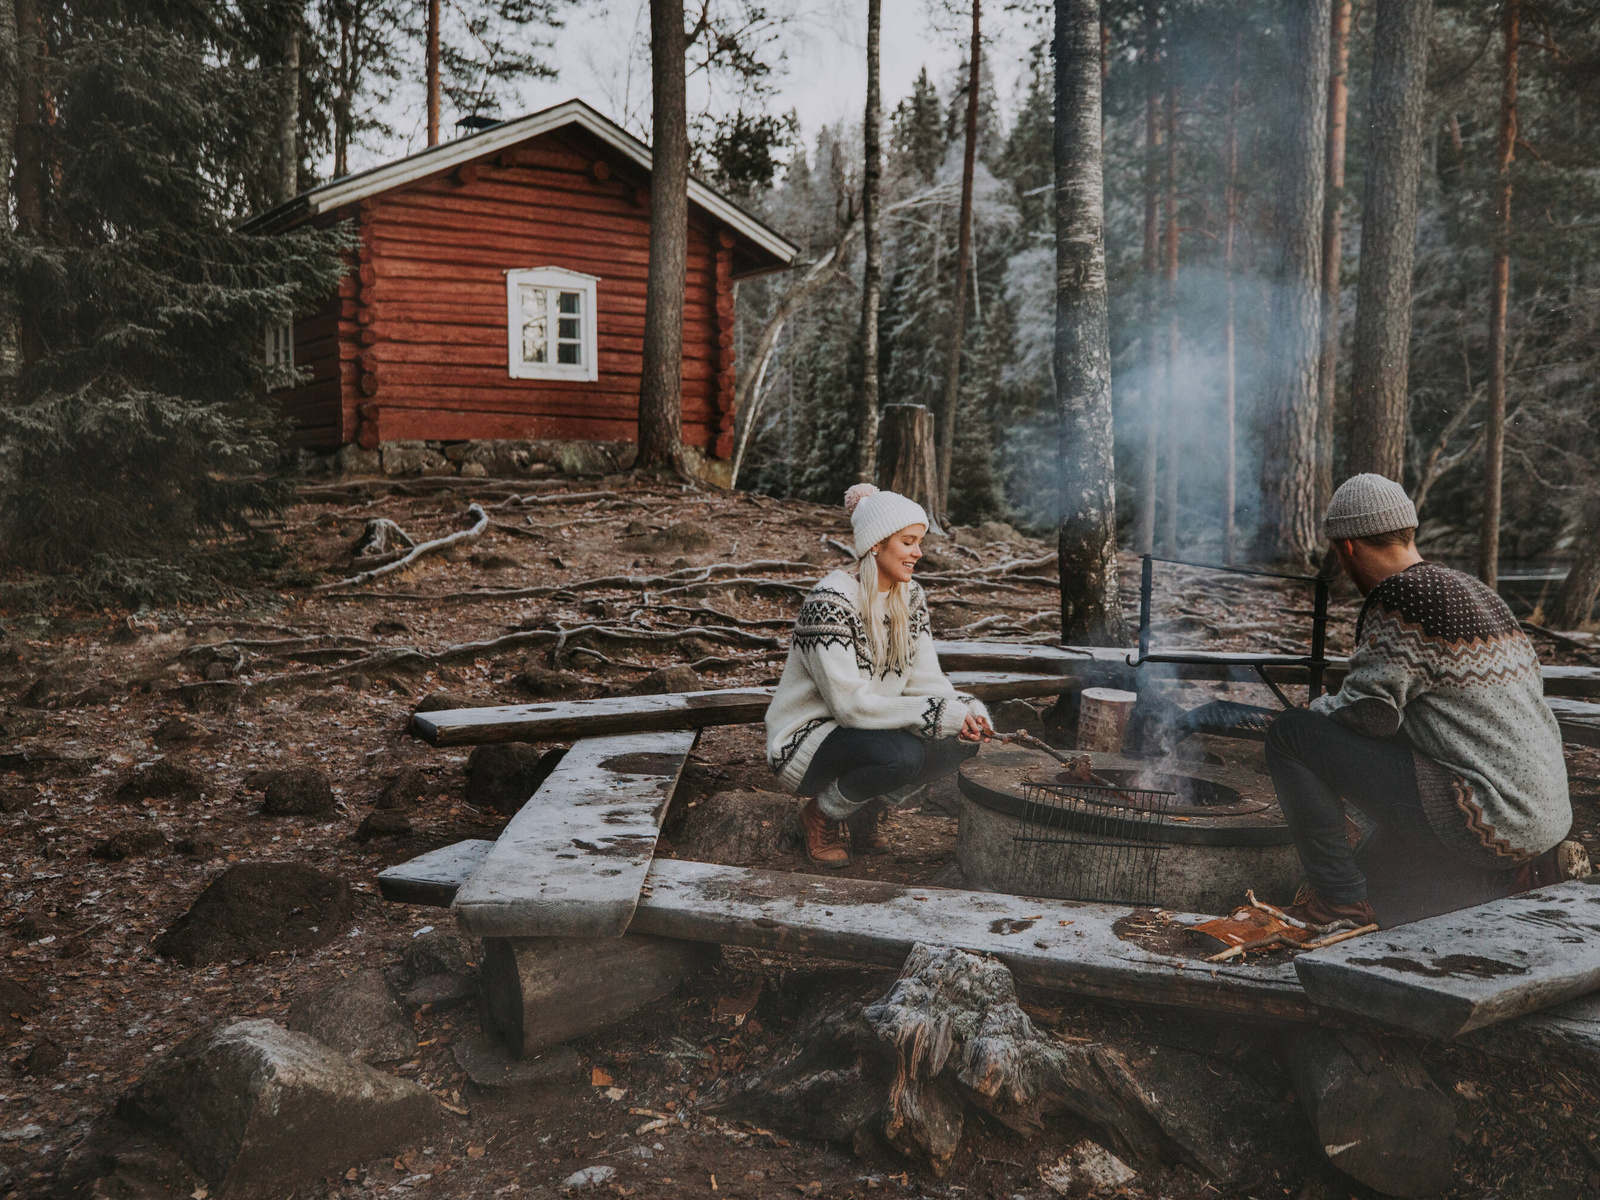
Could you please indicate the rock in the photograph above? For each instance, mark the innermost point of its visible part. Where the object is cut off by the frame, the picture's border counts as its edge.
(17, 1007)
(739, 828)
(351, 459)
(412, 458)
(438, 952)
(178, 732)
(542, 683)
(389, 627)
(296, 792)
(490, 1065)
(667, 679)
(1087, 1169)
(15, 799)
(44, 1059)
(359, 1016)
(161, 780)
(442, 701)
(444, 990)
(503, 776)
(255, 908)
(35, 761)
(589, 1177)
(683, 538)
(257, 1109)
(195, 843)
(383, 823)
(403, 789)
(130, 843)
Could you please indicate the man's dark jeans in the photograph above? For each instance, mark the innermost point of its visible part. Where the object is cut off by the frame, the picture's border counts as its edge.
(1316, 760)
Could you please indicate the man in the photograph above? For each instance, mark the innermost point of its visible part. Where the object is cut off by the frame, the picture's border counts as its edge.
(1440, 735)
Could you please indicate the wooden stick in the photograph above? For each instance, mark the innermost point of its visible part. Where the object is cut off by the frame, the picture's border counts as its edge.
(1272, 939)
(480, 522)
(1273, 911)
(1342, 936)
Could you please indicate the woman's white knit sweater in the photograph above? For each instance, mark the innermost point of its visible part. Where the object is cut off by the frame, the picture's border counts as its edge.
(830, 680)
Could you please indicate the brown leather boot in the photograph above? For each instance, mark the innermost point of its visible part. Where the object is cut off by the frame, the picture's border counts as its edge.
(869, 827)
(1315, 911)
(824, 841)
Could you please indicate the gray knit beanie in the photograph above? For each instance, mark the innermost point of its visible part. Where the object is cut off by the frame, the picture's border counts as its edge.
(1367, 505)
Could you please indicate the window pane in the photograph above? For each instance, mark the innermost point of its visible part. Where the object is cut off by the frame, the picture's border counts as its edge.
(567, 352)
(567, 328)
(535, 327)
(571, 302)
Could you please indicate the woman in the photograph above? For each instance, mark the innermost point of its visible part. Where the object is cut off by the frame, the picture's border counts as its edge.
(863, 712)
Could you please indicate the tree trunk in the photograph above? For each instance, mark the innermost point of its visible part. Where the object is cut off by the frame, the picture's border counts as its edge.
(1150, 260)
(1290, 530)
(1379, 361)
(1230, 378)
(958, 322)
(289, 115)
(1091, 610)
(344, 87)
(661, 383)
(29, 185)
(1332, 249)
(10, 65)
(872, 269)
(908, 462)
(1494, 448)
(1574, 603)
(433, 72)
(1169, 239)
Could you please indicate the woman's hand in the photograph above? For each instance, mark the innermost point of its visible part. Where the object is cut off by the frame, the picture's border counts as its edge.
(976, 729)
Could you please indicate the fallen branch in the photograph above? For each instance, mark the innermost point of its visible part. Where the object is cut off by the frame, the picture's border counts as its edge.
(479, 524)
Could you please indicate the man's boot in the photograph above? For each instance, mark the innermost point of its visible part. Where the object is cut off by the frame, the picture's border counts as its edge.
(824, 841)
(1317, 912)
(869, 826)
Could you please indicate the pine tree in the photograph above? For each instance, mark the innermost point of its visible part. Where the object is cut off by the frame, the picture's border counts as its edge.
(139, 441)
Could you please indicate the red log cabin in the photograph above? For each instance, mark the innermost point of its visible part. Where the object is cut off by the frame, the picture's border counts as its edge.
(498, 292)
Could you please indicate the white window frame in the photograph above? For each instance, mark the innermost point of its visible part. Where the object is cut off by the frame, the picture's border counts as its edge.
(553, 280)
(279, 347)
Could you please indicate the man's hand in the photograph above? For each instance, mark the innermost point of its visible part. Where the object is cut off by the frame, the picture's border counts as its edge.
(976, 729)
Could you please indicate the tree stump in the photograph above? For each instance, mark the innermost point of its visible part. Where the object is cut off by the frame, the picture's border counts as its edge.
(1377, 1114)
(1103, 718)
(906, 461)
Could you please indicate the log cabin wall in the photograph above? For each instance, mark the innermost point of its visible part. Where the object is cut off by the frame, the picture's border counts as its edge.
(415, 345)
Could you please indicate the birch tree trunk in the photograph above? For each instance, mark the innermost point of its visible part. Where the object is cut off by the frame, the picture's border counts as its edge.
(289, 114)
(1332, 246)
(958, 323)
(1150, 258)
(1381, 357)
(1091, 611)
(661, 383)
(872, 269)
(433, 72)
(1290, 527)
(1169, 239)
(1494, 448)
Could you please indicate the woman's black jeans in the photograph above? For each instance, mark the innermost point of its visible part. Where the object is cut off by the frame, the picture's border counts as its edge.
(874, 762)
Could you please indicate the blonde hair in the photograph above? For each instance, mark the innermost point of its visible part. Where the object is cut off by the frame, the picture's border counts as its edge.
(885, 618)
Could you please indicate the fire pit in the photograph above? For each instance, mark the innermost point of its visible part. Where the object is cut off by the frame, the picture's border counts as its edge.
(1192, 838)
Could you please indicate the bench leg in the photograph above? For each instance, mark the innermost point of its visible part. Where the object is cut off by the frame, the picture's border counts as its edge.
(540, 992)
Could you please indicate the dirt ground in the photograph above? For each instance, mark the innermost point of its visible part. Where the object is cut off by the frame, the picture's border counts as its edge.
(309, 677)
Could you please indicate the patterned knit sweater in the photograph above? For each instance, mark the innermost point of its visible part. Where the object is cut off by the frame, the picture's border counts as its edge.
(1440, 661)
(830, 680)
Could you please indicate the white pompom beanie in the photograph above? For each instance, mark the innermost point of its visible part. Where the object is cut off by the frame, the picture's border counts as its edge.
(875, 515)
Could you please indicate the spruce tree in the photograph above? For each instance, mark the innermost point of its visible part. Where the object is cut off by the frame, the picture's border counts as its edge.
(138, 439)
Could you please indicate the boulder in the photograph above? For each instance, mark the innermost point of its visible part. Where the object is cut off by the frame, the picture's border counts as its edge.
(359, 1016)
(541, 683)
(504, 775)
(177, 732)
(129, 843)
(296, 792)
(443, 701)
(667, 679)
(440, 969)
(383, 823)
(403, 789)
(161, 780)
(739, 829)
(351, 459)
(256, 1109)
(256, 908)
(390, 627)
(413, 458)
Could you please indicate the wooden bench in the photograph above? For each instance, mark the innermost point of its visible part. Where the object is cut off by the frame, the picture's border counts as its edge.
(572, 860)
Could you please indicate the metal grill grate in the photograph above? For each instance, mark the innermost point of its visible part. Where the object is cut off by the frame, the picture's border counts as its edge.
(1088, 842)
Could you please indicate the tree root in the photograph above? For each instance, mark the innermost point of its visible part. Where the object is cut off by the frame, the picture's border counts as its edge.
(480, 522)
(673, 582)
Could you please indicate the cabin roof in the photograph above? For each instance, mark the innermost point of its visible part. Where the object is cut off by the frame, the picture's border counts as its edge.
(349, 189)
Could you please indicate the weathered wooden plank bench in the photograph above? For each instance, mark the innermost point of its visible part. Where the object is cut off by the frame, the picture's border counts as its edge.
(572, 860)
(1450, 974)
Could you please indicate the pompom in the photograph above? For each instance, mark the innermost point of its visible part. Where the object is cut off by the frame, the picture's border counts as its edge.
(856, 494)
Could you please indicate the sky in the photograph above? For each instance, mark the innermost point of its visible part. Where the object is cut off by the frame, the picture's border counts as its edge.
(601, 58)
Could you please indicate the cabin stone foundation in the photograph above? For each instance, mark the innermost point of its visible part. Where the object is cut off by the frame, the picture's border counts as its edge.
(495, 458)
